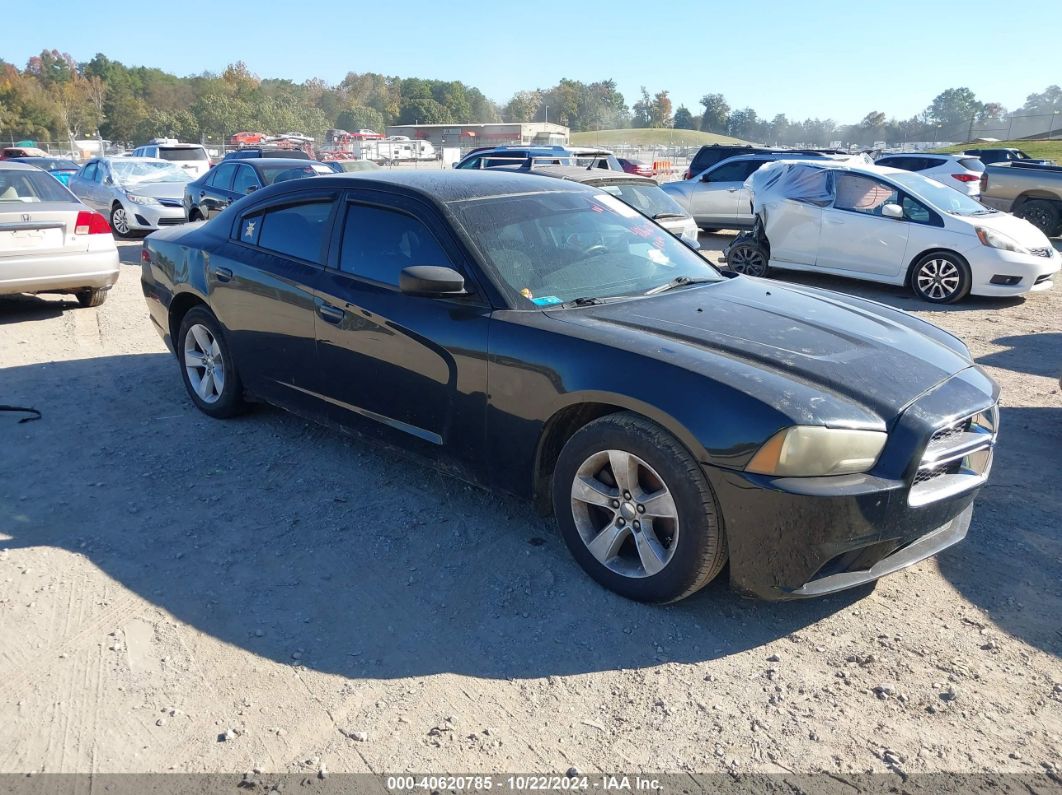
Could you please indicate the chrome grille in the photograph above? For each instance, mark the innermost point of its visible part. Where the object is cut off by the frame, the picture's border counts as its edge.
(1041, 252)
(957, 458)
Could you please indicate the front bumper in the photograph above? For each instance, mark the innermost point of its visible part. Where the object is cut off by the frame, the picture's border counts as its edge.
(1034, 273)
(153, 216)
(792, 538)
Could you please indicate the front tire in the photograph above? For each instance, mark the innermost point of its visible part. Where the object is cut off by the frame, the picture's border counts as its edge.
(941, 278)
(120, 222)
(207, 366)
(636, 511)
(92, 297)
(748, 258)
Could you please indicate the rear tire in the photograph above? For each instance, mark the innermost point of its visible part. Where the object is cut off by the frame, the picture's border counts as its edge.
(207, 366)
(941, 278)
(91, 297)
(748, 258)
(653, 532)
(1042, 214)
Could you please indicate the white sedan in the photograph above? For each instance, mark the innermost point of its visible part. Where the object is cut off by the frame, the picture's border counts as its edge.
(890, 226)
(49, 241)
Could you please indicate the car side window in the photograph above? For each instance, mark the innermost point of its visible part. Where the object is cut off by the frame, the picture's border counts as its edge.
(245, 179)
(377, 244)
(918, 213)
(294, 230)
(221, 177)
(735, 172)
(89, 172)
(859, 194)
(472, 162)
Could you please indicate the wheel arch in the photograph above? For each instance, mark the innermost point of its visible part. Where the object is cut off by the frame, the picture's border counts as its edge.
(180, 305)
(576, 414)
(1035, 195)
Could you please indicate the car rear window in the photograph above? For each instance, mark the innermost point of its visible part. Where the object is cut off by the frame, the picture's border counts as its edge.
(31, 187)
(971, 163)
(183, 153)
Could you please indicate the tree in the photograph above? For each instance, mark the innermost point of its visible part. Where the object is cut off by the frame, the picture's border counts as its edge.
(423, 111)
(643, 110)
(523, 106)
(51, 67)
(684, 119)
(953, 111)
(778, 129)
(1045, 103)
(360, 117)
(744, 124)
(660, 110)
(716, 116)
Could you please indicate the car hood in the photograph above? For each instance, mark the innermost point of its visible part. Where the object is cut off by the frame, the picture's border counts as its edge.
(876, 356)
(1019, 229)
(158, 190)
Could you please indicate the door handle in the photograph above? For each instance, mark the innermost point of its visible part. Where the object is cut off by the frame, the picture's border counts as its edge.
(223, 274)
(330, 313)
(731, 190)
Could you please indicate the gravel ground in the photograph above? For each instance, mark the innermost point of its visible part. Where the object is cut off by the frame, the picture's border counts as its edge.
(182, 594)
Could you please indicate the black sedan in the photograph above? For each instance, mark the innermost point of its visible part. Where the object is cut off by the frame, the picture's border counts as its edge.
(540, 337)
(233, 179)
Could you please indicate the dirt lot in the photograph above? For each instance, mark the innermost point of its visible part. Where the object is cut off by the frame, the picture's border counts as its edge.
(178, 593)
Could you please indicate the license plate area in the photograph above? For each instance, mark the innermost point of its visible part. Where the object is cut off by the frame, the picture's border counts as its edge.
(18, 240)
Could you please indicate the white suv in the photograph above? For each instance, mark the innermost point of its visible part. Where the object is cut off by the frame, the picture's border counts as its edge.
(962, 172)
(192, 158)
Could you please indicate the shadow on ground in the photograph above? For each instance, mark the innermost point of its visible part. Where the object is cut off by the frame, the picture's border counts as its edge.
(295, 542)
(27, 308)
(1035, 354)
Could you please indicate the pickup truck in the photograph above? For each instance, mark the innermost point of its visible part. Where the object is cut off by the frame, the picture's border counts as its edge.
(1032, 192)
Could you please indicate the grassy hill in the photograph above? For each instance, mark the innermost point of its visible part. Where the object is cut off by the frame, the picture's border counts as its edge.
(650, 137)
(1047, 150)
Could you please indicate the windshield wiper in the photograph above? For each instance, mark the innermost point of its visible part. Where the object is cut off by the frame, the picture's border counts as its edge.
(583, 300)
(658, 216)
(678, 281)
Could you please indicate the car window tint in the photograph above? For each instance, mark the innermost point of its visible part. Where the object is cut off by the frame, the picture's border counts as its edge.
(860, 194)
(221, 177)
(30, 187)
(378, 244)
(735, 172)
(245, 178)
(297, 230)
(90, 172)
(472, 162)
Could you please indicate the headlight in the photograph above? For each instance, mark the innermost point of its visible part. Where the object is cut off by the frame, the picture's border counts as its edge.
(810, 451)
(994, 239)
(141, 199)
(689, 232)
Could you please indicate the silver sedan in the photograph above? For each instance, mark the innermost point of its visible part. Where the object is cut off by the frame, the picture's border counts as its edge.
(135, 194)
(49, 241)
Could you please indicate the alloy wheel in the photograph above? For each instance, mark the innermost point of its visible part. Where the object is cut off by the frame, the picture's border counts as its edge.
(747, 260)
(625, 513)
(203, 363)
(938, 279)
(120, 221)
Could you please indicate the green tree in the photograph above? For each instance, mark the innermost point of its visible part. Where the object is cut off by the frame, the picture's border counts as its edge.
(423, 111)
(523, 106)
(953, 111)
(684, 119)
(716, 116)
(360, 117)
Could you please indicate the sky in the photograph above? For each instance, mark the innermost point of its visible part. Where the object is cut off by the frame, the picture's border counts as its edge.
(834, 60)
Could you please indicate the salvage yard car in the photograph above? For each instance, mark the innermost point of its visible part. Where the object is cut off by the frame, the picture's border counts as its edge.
(234, 179)
(49, 241)
(135, 193)
(540, 337)
(890, 226)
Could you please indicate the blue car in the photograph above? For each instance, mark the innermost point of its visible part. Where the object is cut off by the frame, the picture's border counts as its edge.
(495, 156)
(59, 167)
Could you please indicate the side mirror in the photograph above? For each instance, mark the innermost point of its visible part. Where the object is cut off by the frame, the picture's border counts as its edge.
(251, 189)
(706, 178)
(430, 281)
(892, 211)
(108, 181)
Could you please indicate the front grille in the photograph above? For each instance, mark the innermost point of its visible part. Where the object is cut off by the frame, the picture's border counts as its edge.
(957, 458)
(170, 221)
(1041, 252)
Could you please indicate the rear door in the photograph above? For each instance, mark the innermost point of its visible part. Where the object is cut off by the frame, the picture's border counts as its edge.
(216, 194)
(854, 235)
(86, 185)
(414, 365)
(261, 287)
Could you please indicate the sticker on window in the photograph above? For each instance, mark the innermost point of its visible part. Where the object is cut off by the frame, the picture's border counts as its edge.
(614, 204)
(546, 300)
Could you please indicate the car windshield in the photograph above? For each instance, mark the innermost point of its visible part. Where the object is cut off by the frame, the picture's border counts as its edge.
(554, 247)
(647, 199)
(183, 153)
(140, 172)
(30, 187)
(282, 172)
(940, 196)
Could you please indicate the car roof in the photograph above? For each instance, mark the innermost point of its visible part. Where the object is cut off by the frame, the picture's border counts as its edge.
(946, 155)
(591, 176)
(441, 186)
(278, 161)
(131, 159)
(15, 166)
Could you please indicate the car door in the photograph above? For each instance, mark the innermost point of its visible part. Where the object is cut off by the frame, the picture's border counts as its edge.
(717, 198)
(83, 184)
(854, 235)
(261, 287)
(245, 182)
(414, 365)
(215, 193)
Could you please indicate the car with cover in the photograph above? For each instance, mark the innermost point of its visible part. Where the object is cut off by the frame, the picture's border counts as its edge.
(541, 337)
(885, 225)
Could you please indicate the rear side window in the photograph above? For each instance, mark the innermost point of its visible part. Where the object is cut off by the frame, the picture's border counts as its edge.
(89, 172)
(245, 179)
(735, 172)
(31, 187)
(297, 230)
(221, 176)
(378, 244)
(856, 193)
(971, 163)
